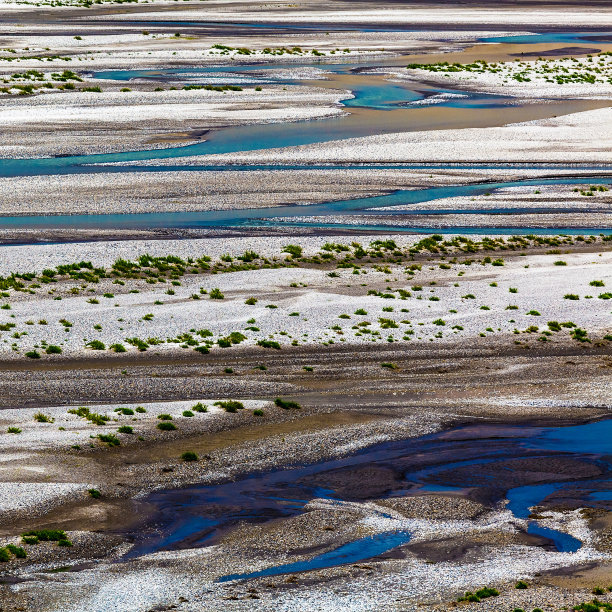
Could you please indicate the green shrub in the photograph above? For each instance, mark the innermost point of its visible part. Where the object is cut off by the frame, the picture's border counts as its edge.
(33, 354)
(189, 456)
(258, 412)
(45, 535)
(187, 413)
(109, 439)
(117, 348)
(5, 556)
(65, 542)
(215, 294)
(164, 417)
(96, 345)
(14, 430)
(269, 344)
(521, 584)
(285, 404)
(230, 405)
(125, 429)
(32, 539)
(94, 493)
(18, 551)
(43, 418)
(390, 366)
(53, 349)
(251, 301)
(199, 407)
(571, 296)
(166, 426)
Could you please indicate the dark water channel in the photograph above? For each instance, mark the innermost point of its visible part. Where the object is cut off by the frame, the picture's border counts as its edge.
(566, 467)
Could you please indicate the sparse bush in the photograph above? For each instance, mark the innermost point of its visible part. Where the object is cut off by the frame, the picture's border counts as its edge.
(269, 344)
(286, 405)
(230, 405)
(43, 418)
(96, 345)
(521, 584)
(109, 439)
(166, 426)
(189, 456)
(45, 535)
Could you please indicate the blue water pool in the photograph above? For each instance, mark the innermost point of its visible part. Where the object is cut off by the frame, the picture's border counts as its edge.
(491, 463)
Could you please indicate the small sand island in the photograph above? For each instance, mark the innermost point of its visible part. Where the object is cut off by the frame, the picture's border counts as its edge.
(305, 306)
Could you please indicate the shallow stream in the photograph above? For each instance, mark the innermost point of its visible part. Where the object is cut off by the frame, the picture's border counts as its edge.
(517, 466)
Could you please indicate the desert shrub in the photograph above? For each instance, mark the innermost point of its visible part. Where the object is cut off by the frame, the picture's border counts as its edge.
(43, 418)
(96, 345)
(230, 405)
(285, 404)
(258, 412)
(13, 430)
(521, 584)
(269, 344)
(215, 294)
(109, 439)
(187, 413)
(199, 407)
(164, 417)
(53, 349)
(94, 493)
(125, 429)
(166, 426)
(189, 456)
(33, 354)
(45, 535)
(18, 551)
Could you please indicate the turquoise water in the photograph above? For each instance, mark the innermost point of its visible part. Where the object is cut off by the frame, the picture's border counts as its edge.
(262, 216)
(382, 97)
(550, 37)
